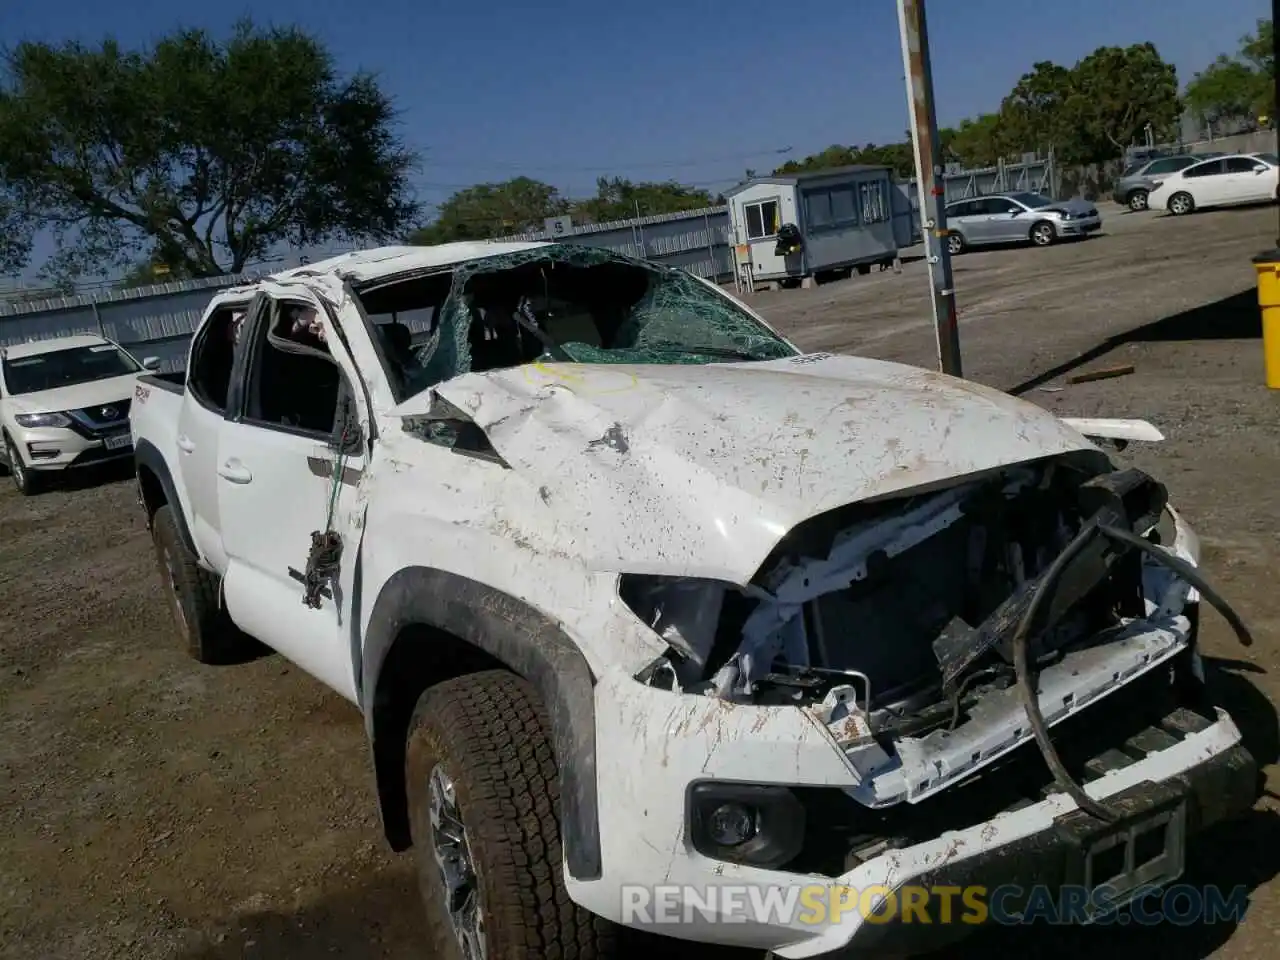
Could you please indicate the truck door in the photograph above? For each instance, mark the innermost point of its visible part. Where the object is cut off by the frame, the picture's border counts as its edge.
(204, 404)
(281, 478)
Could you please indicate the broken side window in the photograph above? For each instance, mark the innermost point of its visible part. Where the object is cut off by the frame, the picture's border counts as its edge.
(569, 304)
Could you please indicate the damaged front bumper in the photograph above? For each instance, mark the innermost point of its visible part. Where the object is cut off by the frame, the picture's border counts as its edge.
(1148, 746)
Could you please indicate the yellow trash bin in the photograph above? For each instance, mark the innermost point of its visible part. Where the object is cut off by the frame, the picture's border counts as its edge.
(1268, 267)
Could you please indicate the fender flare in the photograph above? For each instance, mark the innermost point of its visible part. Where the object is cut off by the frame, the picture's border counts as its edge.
(530, 645)
(146, 454)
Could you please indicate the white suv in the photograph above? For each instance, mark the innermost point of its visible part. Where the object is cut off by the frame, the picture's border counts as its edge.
(65, 403)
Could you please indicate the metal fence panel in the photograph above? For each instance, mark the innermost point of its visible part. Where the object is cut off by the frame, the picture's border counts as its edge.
(158, 321)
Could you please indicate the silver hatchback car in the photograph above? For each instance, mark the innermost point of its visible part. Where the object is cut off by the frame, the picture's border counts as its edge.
(1017, 218)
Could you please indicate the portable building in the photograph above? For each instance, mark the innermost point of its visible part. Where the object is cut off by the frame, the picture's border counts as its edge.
(793, 226)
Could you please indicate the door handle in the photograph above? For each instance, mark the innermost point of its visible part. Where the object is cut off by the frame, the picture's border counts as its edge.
(185, 444)
(235, 472)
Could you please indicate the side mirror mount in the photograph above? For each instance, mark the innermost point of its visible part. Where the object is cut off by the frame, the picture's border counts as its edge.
(150, 363)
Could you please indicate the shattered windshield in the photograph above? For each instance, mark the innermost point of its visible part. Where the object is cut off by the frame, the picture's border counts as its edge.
(558, 303)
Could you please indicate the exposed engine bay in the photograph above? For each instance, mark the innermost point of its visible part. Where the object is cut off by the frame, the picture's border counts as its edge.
(910, 626)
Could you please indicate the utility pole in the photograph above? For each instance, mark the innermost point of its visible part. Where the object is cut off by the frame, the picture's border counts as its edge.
(1275, 107)
(929, 182)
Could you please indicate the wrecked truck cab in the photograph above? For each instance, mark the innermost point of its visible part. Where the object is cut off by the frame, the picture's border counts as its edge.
(726, 614)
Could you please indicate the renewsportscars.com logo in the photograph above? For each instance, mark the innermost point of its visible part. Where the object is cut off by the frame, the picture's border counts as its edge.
(824, 905)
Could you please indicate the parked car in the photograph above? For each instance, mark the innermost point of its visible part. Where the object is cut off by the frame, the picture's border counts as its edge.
(64, 404)
(1016, 217)
(639, 601)
(1219, 182)
(1134, 185)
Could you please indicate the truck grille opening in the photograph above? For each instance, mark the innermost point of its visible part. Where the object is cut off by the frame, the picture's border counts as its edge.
(1150, 714)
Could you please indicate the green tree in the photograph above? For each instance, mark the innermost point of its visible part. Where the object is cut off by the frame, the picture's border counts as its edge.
(1115, 93)
(896, 155)
(980, 142)
(493, 210)
(1031, 116)
(619, 199)
(15, 237)
(208, 153)
(1226, 90)
(150, 271)
(1240, 87)
(1092, 111)
(835, 155)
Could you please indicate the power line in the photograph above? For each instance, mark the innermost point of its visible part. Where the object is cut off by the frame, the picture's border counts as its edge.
(620, 163)
(435, 185)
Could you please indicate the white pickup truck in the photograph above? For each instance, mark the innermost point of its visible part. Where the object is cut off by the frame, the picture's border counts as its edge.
(644, 608)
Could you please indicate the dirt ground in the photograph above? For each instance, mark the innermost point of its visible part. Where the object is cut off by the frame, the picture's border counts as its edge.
(152, 808)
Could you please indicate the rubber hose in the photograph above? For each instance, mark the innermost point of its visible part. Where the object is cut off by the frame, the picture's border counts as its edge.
(1026, 687)
(1188, 573)
(1021, 641)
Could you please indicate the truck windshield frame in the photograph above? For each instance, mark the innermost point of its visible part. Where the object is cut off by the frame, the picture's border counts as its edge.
(557, 304)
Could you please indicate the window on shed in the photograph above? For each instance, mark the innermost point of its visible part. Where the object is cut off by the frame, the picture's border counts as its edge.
(831, 207)
(875, 205)
(762, 219)
(843, 206)
(817, 206)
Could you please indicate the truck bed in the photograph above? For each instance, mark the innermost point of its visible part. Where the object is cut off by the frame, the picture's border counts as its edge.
(173, 382)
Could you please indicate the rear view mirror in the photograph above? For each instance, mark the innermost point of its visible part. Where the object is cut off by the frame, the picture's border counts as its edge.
(150, 363)
(1260, 169)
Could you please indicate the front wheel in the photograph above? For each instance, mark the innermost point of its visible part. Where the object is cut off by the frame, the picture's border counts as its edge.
(955, 244)
(1043, 234)
(1180, 204)
(484, 804)
(1138, 201)
(25, 479)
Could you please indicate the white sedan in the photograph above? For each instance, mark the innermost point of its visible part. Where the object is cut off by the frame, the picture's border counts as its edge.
(1218, 182)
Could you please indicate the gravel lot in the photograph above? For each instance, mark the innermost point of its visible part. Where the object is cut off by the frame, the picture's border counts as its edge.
(152, 808)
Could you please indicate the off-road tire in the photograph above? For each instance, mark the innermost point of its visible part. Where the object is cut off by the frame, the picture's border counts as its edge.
(489, 730)
(1178, 207)
(27, 481)
(1043, 234)
(1137, 201)
(955, 244)
(207, 633)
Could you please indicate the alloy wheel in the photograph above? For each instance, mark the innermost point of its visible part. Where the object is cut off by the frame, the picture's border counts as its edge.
(453, 858)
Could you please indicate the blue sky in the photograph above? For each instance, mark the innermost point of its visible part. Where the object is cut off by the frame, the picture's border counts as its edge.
(683, 89)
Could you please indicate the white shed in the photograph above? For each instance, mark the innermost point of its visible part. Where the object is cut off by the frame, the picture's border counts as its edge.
(842, 219)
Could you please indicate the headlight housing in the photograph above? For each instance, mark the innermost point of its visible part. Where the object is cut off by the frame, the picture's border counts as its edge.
(684, 612)
(35, 420)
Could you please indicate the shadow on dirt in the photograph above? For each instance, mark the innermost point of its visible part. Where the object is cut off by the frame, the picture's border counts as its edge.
(85, 478)
(1232, 318)
(384, 919)
(1235, 857)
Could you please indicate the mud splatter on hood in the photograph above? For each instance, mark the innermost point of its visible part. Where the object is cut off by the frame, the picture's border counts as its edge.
(700, 470)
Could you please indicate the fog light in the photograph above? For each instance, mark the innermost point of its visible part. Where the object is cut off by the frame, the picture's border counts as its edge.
(731, 824)
(757, 824)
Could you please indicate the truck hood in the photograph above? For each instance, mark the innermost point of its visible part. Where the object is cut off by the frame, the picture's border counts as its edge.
(113, 390)
(699, 471)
